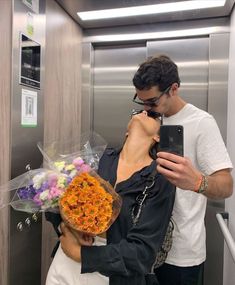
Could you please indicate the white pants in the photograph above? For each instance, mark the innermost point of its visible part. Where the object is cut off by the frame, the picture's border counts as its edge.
(65, 271)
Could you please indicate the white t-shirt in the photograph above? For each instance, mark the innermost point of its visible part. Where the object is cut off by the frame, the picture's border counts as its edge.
(204, 146)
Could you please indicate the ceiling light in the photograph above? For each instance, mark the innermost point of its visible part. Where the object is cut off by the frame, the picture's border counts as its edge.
(157, 35)
(149, 9)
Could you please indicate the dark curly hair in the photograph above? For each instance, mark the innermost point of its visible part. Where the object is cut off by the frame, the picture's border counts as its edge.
(158, 71)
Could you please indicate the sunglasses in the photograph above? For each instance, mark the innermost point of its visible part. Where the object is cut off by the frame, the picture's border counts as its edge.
(150, 113)
(152, 102)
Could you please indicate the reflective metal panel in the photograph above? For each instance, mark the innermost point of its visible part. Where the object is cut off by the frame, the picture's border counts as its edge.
(218, 80)
(191, 56)
(217, 106)
(113, 89)
(87, 87)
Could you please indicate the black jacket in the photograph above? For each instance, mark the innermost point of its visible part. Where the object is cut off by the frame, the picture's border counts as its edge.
(130, 251)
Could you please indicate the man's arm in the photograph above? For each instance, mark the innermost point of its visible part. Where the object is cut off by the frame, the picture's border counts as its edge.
(180, 172)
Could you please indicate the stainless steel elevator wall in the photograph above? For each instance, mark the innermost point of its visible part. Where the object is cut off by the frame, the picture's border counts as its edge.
(25, 246)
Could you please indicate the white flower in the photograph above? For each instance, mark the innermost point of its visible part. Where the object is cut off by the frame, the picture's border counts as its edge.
(38, 180)
(73, 173)
(43, 196)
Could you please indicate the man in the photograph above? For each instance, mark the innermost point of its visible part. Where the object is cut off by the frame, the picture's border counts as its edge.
(203, 172)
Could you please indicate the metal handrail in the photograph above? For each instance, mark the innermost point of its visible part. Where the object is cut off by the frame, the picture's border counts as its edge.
(227, 235)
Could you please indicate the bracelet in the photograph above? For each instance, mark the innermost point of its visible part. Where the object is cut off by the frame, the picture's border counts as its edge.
(204, 185)
(198, 185)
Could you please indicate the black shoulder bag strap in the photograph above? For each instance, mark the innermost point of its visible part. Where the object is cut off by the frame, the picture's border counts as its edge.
(150, 278)
(140, 199)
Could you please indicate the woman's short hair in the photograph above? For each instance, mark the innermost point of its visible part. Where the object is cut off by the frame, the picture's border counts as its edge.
(153, 151)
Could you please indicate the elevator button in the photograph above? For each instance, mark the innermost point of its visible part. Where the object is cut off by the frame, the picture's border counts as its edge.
(20, 227)
(27, 222)
(34, 218)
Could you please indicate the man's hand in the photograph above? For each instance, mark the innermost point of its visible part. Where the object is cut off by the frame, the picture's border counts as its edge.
(178, 170)
(69, 244)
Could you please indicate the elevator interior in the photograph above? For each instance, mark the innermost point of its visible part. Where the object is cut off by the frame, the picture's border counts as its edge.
(113, 54)
(197, 41)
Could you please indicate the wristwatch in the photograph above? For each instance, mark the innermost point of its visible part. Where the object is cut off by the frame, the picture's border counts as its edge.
(204, 184)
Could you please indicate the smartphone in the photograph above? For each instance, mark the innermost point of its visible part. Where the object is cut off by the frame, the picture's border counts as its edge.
(172, 139)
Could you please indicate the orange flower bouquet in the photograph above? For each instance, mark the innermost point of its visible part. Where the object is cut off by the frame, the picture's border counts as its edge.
(89, 204)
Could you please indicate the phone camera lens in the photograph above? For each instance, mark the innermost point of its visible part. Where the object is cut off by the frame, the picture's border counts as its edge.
(179, 130)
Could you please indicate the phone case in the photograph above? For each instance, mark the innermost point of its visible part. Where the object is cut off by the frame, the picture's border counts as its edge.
(172, 139)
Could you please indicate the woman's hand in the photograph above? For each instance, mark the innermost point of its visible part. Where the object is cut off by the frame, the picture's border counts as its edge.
(83, 239)
(69, 243)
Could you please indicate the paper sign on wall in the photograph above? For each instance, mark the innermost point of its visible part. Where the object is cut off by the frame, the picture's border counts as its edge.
(28, 108)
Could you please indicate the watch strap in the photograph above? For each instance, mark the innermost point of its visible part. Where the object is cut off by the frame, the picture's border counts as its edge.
(204, 184)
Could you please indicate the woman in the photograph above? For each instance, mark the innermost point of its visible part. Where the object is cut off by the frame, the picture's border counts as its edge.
(137, 234)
